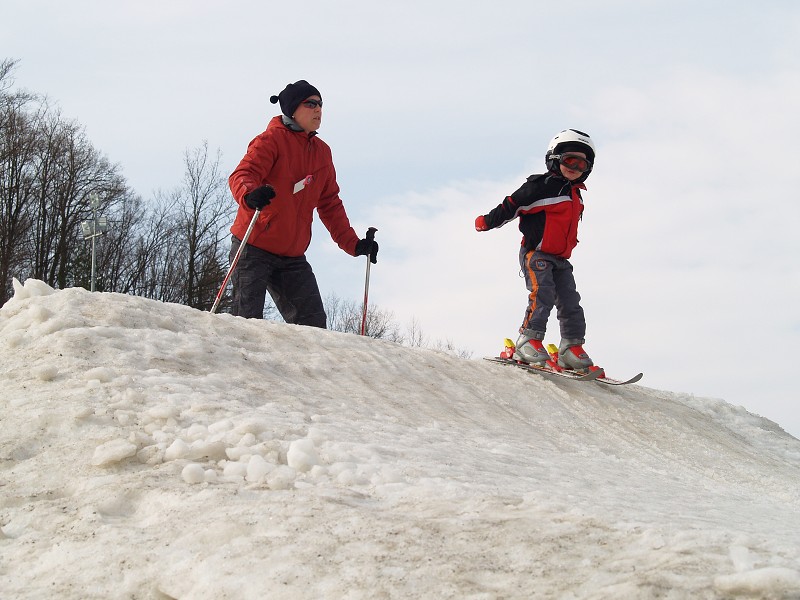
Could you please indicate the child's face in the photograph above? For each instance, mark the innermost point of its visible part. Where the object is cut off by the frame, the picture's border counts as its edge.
(571, 174)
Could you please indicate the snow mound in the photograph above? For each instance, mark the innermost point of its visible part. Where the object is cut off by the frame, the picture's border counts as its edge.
(184, 454)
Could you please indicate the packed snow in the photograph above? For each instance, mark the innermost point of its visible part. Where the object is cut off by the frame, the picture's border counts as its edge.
(149, 450)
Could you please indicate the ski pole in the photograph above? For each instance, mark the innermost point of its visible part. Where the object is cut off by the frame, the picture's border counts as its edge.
(371, 237)
(235, 260)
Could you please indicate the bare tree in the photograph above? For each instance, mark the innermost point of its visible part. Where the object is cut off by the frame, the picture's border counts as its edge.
(346, 316)
(152, 254)
(334, 311)
(7, 65)
(414, 336)
(117, 259)
(450, 348)
(206, 213)
(18, 147)
(69, 169)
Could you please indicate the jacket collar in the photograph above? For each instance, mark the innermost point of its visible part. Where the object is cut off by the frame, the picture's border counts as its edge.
(563, 180)
(292, 125)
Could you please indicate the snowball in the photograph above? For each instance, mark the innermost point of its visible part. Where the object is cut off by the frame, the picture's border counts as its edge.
(84, 412)
(178, 449)
(238, 452)
(125, 417)
(257, 468)
(204, 449)
(302, 455)
(196, 432)
(281, 478)
(163, 412)
(193, 473)
(101, 374)
(318, 471)
(253, 426)
(112, 452)
(248, 439)
(14, 339)
(220, 426)
(235, 470)
(46, 373)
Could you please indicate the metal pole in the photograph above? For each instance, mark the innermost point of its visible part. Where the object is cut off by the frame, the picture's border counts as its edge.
(235, 260)
(94, 236)
(370, 236)
(93, 262)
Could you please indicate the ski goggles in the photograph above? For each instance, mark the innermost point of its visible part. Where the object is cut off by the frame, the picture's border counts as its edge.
(311, 103)
(574, 162)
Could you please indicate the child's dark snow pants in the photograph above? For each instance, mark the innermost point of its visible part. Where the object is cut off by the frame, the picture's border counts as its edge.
(551, 283)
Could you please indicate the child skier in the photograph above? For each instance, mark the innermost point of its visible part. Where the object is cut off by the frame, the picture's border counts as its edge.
(549, 207)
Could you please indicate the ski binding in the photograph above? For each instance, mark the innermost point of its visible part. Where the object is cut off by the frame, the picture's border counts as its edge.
(552, 368)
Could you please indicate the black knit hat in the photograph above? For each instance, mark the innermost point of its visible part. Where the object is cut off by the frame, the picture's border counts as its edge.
(293, 94)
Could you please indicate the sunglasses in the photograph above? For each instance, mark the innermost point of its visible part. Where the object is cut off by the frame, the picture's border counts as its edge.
(575, 163)
(311, 103)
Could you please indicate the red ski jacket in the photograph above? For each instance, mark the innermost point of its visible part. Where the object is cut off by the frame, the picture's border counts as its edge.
(300, 169)
(549, 208)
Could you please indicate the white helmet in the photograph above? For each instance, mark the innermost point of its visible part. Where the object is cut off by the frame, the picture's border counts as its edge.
(566, 141)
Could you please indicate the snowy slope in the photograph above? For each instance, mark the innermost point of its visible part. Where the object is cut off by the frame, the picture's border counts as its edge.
(149, 450)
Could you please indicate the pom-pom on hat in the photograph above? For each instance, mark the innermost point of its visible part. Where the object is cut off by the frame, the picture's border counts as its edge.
(293, 94)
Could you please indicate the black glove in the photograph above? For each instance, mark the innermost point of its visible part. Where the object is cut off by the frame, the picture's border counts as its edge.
(367, 246)
(259, 197)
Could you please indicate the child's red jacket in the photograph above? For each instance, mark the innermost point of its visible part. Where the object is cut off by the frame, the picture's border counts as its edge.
(549, 208)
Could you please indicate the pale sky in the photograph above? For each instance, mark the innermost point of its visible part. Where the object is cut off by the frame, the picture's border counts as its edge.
(437, 110)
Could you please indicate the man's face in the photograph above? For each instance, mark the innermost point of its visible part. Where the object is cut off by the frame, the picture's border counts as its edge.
(309, 114)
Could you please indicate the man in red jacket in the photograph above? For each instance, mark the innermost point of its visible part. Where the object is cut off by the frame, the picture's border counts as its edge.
(286, 173)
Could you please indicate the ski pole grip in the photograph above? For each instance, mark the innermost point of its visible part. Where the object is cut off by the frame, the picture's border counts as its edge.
(371, 257)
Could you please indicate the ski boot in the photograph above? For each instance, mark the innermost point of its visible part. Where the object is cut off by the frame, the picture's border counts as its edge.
(571, 355)
(531, 350)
